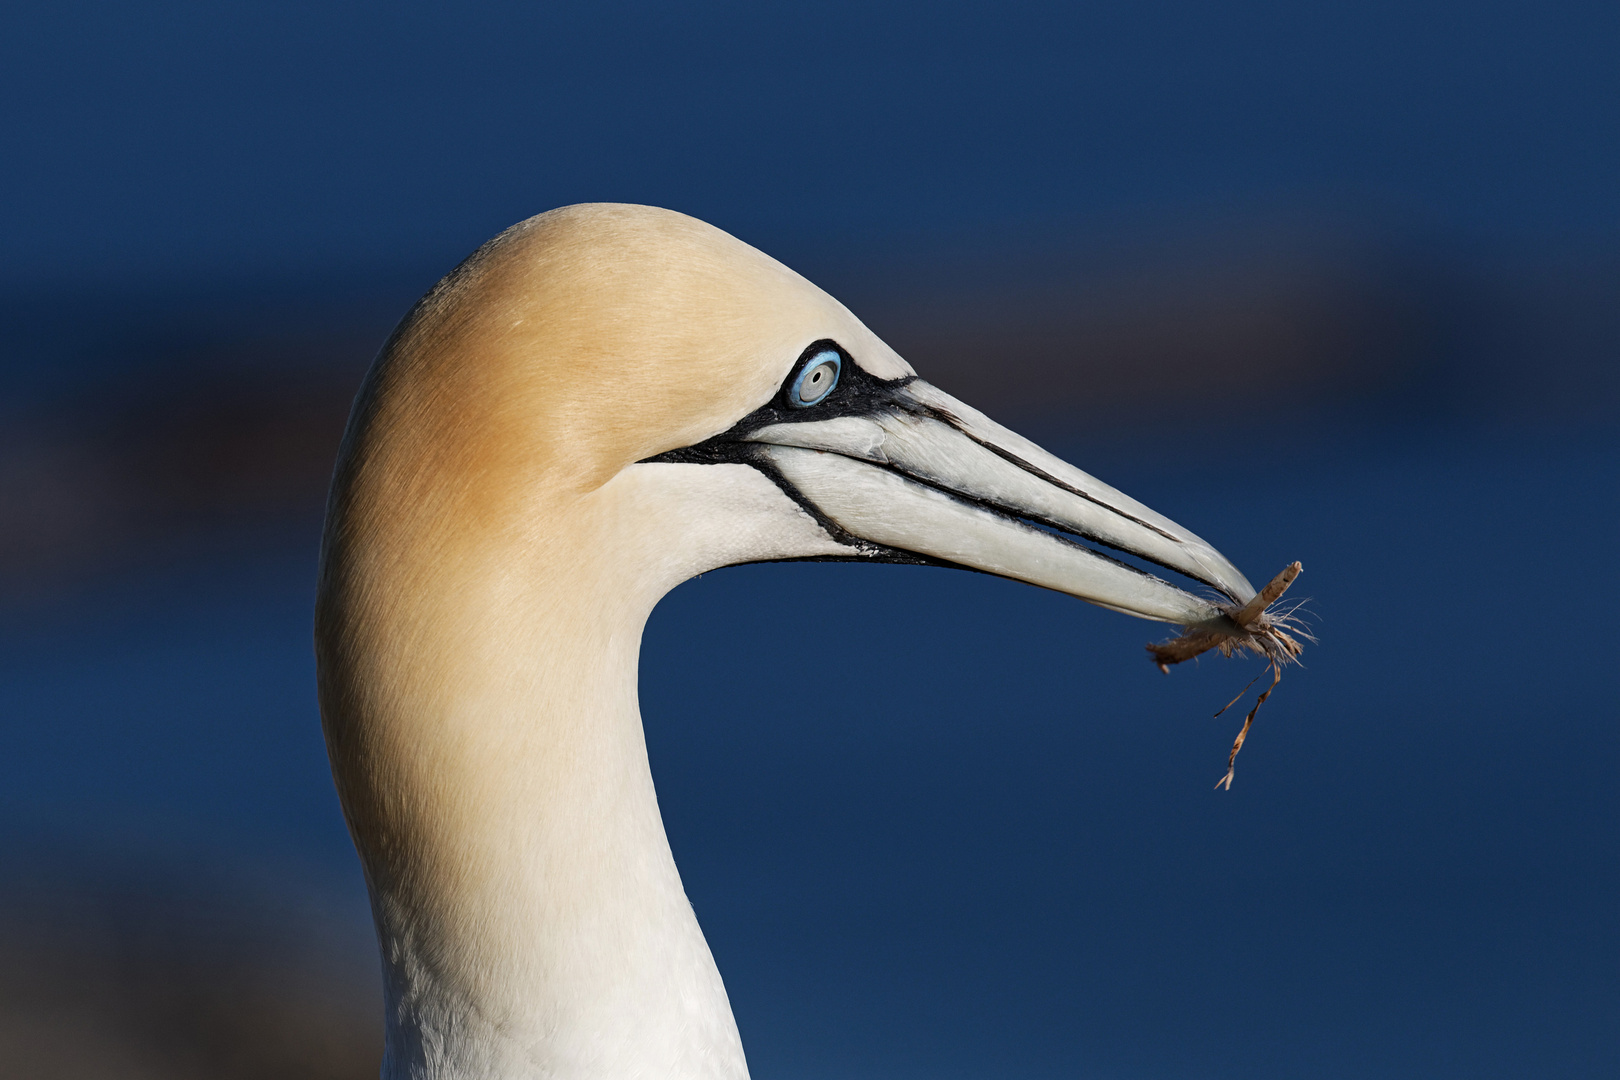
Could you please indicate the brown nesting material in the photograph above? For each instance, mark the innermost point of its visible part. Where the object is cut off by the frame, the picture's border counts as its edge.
(1254, 628)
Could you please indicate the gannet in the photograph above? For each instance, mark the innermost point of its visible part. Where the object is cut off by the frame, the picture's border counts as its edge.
(598, 404)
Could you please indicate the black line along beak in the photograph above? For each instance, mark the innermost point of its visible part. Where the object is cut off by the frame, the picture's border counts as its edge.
(918, 471)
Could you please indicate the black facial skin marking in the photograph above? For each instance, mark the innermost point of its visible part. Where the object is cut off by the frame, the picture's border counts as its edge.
(858, 393)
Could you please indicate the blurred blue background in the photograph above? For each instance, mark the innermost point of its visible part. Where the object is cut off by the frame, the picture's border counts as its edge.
(1337, 283)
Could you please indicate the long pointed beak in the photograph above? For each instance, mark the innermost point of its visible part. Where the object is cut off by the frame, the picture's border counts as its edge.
(925, 473)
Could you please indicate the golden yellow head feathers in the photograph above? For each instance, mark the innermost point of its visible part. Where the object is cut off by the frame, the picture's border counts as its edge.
(594, 336)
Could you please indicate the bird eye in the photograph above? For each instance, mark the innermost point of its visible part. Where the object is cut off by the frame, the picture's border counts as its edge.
(816, 380)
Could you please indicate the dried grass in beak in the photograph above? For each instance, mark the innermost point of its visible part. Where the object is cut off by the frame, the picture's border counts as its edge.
(1254, 628)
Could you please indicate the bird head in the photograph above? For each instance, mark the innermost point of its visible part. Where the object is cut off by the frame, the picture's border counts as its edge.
(636, 364)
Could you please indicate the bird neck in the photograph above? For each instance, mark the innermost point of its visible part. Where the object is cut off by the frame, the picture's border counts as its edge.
(487, 743)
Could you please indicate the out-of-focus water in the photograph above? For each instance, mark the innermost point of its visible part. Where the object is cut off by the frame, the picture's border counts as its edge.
(938, 824)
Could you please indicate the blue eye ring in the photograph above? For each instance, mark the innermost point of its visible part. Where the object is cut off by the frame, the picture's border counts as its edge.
(816, 378)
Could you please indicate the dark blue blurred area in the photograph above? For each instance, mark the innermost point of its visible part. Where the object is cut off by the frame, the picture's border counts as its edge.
(1329, 282)
(194, 139)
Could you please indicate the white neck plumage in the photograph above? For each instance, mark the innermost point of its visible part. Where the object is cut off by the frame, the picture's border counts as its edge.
(489, 745)
(582, 957)
(567, 947)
